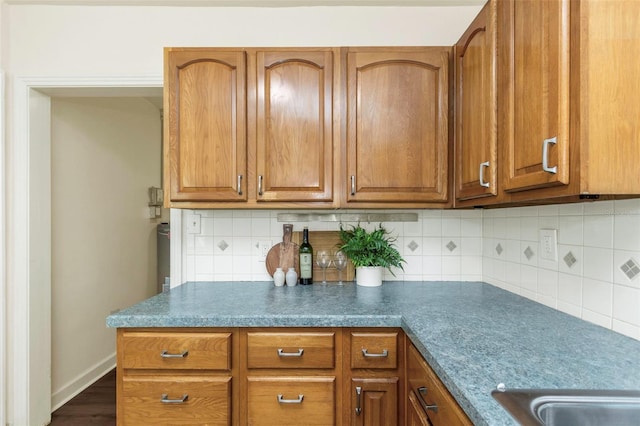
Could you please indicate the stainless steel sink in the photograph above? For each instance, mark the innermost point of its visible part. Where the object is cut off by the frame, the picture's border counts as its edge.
(571, 407)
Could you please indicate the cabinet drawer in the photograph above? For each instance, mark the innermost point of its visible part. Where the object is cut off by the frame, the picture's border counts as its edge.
(374, 350)
(207, 400)
(184, 350)
(291, 401)
(290, 350)
(428, 390)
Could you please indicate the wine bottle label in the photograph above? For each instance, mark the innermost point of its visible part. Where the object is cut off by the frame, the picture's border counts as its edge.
(306, 265)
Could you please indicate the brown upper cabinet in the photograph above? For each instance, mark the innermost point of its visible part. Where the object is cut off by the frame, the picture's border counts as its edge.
(249, 126)
(205, 150)
(546, 111)
(252, 128)
(476, 108)
(568, 109)
(294, 159)
(536, 40)
(397, 125)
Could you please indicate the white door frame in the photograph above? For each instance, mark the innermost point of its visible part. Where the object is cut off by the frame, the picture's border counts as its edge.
(3, 246)
(28, 242)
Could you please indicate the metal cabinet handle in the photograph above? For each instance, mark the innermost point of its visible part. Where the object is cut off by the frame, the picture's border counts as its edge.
(260, 185)
(283, 353)
(239, 184)
(481, 173)
(166, 354)
(358, 396)
(353, 185)
(545, 155)
(384, 354)
(281, 400)
(166, 400)
(422, 390)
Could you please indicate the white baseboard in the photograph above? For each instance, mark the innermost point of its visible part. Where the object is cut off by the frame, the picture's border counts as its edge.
(61, 396)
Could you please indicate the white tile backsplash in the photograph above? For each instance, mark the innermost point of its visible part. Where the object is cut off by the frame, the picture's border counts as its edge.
(600, 235)
(627, 232)
(599, 231)
(625, 304)
(598, 263)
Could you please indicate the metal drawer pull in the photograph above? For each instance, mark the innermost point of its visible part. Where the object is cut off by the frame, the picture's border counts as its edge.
(482, 167)
(358, 395)
(422, 390)
(165, 399)
(353, 185)
(166, 354)
(260, 185)
(281, 400)
(283, 353)
(239, 184)
(384, 354)
(545, 155)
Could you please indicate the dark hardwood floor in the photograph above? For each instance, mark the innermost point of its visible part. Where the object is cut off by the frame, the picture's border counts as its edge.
(96, 405)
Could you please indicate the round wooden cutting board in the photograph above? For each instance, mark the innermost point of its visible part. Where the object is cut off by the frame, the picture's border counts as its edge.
(276, 259)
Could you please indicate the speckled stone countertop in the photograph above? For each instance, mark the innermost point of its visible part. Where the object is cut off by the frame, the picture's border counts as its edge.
(474, 335)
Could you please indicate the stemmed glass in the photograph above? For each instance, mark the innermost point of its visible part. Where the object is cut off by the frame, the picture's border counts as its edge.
(323, 261)
(340, 262)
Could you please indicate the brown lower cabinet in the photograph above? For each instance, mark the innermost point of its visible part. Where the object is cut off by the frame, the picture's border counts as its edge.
(177, 376)
(277, 376)
(430, 403)
(290, 376)
(373, 373)
(291, 400)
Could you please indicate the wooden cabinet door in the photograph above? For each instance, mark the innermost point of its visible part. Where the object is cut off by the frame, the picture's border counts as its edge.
(476, 108)
(374, 401)
(294, 131)
(430, 394)
(397, 125)
(535, 78)
(415, 413)
(205, 144)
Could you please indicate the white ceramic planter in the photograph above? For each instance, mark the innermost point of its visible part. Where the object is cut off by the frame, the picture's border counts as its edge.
(369, 276)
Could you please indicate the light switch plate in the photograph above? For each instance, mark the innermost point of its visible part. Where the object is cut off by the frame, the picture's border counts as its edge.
(549, 244)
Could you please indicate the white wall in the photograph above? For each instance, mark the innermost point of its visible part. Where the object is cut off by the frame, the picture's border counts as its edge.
(116, 40)
(105, 153)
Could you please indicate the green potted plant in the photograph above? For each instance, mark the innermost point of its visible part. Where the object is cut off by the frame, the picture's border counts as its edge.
(370, 253)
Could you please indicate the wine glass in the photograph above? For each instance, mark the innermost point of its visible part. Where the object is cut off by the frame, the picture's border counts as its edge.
(340, 262)
(323, 261)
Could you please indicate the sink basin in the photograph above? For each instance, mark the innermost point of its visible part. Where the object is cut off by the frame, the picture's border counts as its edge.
(571, 407)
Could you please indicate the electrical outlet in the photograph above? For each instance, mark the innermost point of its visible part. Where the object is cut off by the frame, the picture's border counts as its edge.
(263, 248)
(549, 244)
(193, 224)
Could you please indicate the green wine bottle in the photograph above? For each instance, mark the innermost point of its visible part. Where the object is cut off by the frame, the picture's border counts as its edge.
(306, 259)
